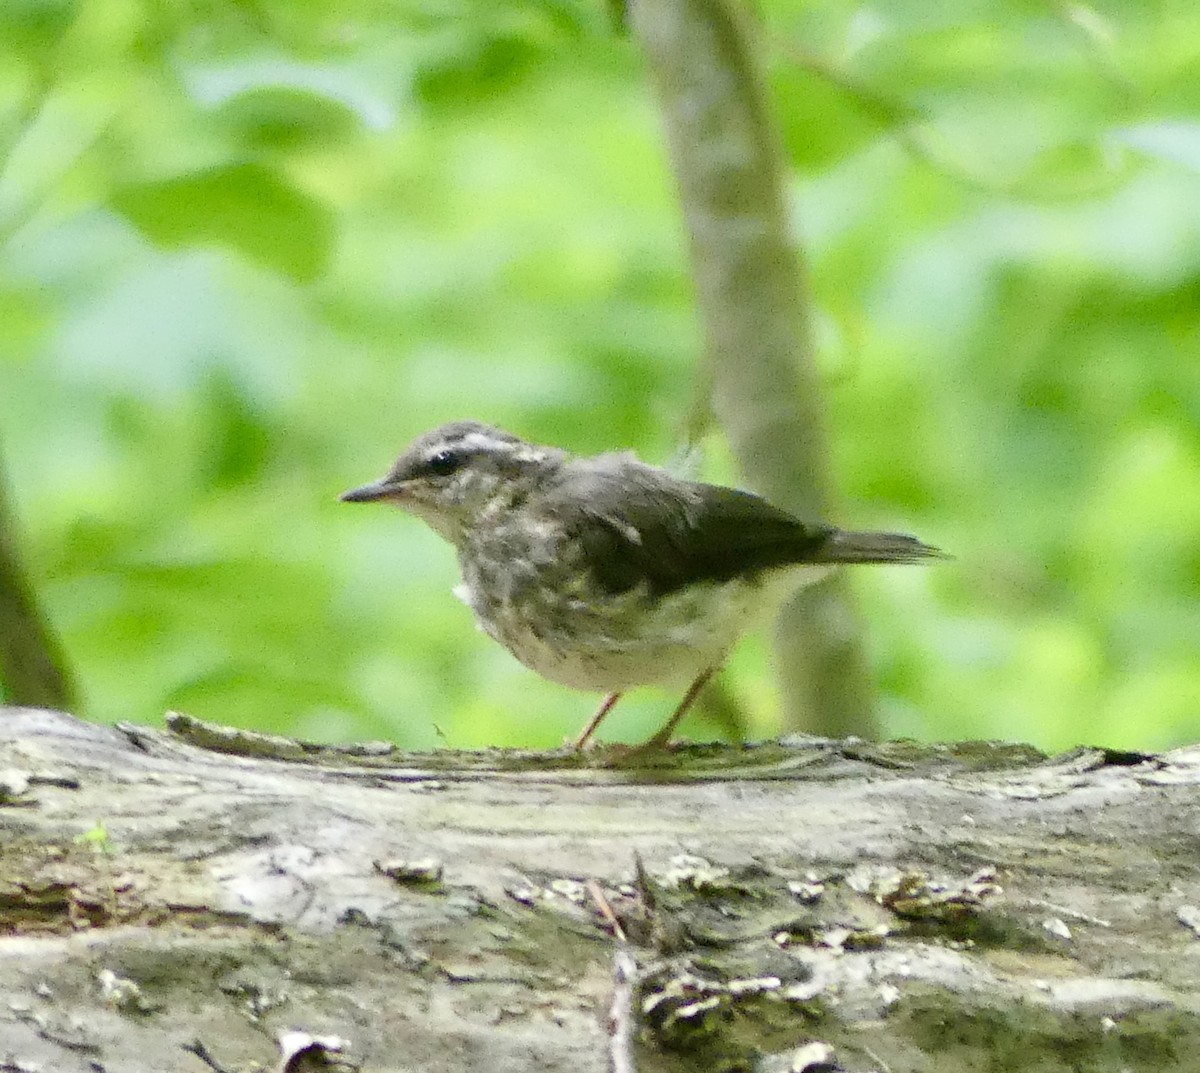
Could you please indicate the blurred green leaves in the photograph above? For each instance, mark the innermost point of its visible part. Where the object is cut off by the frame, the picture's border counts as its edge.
(32, 27)
(244, 207)
(286, 118)
(246, 252)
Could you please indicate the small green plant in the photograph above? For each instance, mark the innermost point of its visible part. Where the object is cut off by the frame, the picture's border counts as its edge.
(97, 838)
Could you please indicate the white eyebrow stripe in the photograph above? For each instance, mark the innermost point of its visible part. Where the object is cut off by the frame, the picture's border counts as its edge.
(482, 441)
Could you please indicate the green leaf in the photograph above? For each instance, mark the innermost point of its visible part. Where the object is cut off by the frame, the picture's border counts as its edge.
(277, 103)
(286, 117)
(826, 117)
(244, 207)
(31, 27)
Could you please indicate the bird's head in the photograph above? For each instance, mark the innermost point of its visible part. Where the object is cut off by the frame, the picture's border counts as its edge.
(451, 477)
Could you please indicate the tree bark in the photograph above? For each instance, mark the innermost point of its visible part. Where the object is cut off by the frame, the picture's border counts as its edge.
(33, 670)
(932, 909)
(728, 164)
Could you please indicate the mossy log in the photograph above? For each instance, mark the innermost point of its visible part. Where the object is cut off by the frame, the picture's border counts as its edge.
(182, 897)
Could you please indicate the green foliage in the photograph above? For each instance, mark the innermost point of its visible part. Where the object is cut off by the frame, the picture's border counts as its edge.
(249, 250)
(242, 207)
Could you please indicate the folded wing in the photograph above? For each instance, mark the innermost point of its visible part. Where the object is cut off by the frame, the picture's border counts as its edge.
(637, 525)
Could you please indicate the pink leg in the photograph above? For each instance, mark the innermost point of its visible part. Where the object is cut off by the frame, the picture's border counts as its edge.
(605, 707)
(663, 737)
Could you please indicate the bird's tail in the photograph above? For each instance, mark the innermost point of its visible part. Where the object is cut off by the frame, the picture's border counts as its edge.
(845, 547)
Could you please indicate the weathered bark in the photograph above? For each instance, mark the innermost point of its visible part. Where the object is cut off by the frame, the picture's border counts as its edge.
(728, 164)
(33, 670)
(932, 909)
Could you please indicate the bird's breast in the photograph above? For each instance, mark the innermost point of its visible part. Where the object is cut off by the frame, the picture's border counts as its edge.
(534, 592)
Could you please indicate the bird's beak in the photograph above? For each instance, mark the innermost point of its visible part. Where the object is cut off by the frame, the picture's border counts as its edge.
(371, 493)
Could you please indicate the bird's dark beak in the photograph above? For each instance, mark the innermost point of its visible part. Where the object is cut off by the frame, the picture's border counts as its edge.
(370, 493)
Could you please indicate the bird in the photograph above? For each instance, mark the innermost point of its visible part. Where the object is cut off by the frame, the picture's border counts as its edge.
(604, 573)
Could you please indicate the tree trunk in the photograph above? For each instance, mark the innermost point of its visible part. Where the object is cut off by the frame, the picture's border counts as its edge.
(940, 908)
(32, 668)
(727, 161)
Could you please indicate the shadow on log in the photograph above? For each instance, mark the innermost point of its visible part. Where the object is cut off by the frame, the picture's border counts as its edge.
(177, 899)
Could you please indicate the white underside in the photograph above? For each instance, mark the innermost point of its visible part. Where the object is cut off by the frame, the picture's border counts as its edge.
(630, 641)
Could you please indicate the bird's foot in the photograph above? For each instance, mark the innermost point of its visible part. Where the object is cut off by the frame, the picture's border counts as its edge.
(585, 736)
(648, 754)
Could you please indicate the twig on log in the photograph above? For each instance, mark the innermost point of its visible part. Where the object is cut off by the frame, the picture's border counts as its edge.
(620, 1013)
(197, 1048)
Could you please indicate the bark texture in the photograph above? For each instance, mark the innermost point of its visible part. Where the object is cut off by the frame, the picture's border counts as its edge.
(912, 908)
(728, 164)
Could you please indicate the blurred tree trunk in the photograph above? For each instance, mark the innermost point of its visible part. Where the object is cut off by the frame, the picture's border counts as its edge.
(32, 668)
(728, 164)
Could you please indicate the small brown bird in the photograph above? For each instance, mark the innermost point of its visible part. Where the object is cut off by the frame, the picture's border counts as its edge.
(606, 573)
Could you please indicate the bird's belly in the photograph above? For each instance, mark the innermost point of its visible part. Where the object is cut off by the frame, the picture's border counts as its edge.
(604, 669)
(622, 641)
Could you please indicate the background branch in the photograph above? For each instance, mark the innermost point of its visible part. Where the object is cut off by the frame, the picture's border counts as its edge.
(33, 669)
(752, 300)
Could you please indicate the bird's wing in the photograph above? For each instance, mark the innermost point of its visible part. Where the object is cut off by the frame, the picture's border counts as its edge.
(636, 524)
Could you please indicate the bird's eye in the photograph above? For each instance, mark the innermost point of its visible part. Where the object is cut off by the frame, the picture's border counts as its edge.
(444, 463)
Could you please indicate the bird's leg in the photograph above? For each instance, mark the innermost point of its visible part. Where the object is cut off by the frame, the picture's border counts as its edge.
(606, 706)
(663, 737)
